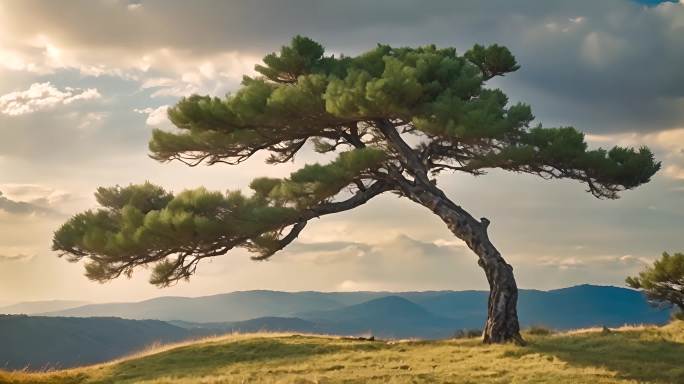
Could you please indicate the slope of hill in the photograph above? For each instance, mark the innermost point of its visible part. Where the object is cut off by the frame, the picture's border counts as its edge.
(259, 324)
(34, 307)
(387, 317)
(567, 308)
(626, 356)
(40, 342)
(587, 305)
(468, 309)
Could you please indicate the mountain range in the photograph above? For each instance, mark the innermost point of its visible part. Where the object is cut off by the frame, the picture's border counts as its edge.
(98, 332)
(566, 308)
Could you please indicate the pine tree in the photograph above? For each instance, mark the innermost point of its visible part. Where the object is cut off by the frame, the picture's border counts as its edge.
(396, 117)
(663, 282)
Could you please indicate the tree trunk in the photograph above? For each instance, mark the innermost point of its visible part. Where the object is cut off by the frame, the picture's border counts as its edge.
(502, 316)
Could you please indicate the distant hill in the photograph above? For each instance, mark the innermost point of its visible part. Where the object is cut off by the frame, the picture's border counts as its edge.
(46, 342)
(440, 314)
(386, 317)
(34, 307)
(467, 309)
(587, 305)
(567, 308)
(228, 307)
(574, 307)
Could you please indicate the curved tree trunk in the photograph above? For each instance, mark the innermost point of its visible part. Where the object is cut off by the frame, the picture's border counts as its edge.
(502, 317)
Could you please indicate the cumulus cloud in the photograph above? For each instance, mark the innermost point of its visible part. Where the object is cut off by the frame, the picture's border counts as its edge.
(384, 265)
(598, 262)
(668, 146)
(215, 74)
(31, 199)
(35, 193)
(401, 247)
(155, 116)
(20, 207)
(41, 96)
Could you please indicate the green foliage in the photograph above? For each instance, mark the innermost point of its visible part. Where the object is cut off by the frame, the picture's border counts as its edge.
(439, 95)
(145, 197)
(338, 104)
(562, 152)
(493, 60)
(301, 57)
(312, 95)
(663, 282)
(143, 224)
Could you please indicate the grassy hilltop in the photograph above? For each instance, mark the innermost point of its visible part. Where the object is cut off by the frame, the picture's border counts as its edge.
(627, 355)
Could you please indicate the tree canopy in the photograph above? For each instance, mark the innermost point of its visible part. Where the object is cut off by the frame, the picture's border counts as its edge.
(663, 282)
(367, 109)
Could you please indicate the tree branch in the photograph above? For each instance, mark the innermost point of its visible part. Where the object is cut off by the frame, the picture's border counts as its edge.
(359, 198)
(282, 243)
(407, 155)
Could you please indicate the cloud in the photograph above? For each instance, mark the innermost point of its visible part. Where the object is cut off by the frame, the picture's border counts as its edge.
(31, 199)
(384, 265)
(449, 243)
(155, 116)
(75, 126)
(605, 66)
(401, 247)
(353, 286)
(15, 258)
(35, 193)
(42, 96)
(20, 207)
(668, 146)
(596, 262)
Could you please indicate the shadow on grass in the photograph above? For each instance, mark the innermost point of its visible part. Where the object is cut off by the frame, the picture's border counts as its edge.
(653, 360)
(204, 359)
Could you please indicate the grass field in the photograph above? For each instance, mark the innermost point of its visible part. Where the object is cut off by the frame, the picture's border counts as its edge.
(627, 355)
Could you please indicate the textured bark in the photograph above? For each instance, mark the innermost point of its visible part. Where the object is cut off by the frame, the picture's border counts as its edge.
(502, 317)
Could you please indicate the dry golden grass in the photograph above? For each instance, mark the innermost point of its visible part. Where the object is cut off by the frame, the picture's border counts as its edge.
(627, 355)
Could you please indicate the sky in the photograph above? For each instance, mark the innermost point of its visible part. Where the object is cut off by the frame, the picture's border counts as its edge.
(82, 83)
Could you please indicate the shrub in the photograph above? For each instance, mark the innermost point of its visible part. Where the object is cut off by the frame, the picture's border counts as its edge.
(467, 333)
(539, 330)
